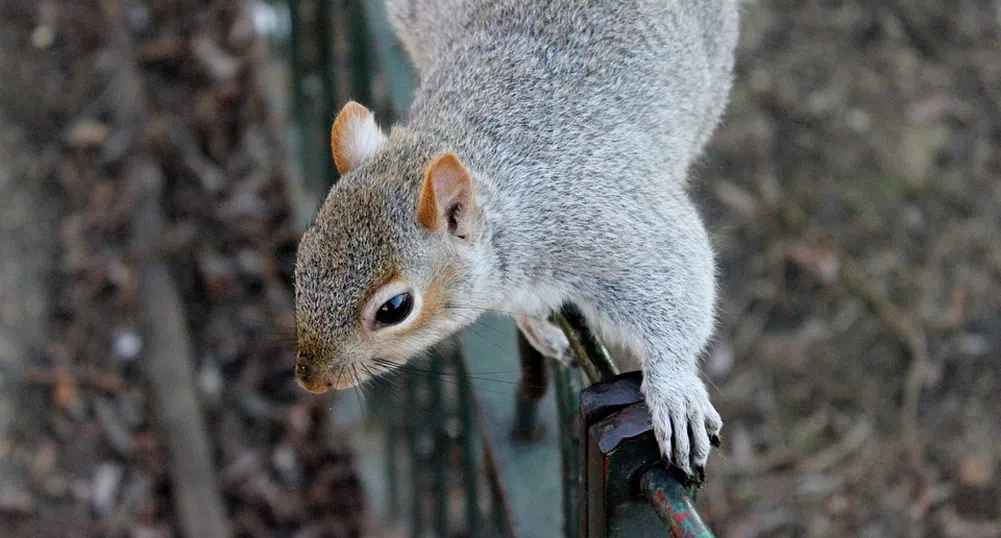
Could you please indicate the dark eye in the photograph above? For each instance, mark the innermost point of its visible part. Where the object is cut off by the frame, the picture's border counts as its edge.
(395, 310)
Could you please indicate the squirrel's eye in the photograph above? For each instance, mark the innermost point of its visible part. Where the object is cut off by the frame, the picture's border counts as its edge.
(395, 310)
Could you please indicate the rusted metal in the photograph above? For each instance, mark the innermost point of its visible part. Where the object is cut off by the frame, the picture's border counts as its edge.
(603, 399)
(629, 491)
(567, 390)
(673, 503)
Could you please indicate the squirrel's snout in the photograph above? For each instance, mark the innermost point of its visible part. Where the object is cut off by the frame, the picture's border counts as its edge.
(311, 377)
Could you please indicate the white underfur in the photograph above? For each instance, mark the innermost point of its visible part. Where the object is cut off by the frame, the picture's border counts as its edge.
(361, 138)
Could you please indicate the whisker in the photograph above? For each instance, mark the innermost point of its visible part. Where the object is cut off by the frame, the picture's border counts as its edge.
(340, 372)
(455, 382)
(425, 355)
(477, 332)
(454, 376)
(388, 382)
(495, 330)
(357, 390)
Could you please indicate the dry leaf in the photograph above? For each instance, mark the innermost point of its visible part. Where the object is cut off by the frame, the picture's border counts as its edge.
(820, 262)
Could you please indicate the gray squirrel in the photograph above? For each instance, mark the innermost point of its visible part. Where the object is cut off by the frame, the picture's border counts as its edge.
(544, 160)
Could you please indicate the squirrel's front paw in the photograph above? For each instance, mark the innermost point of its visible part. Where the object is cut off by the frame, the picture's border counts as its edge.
(684, 420)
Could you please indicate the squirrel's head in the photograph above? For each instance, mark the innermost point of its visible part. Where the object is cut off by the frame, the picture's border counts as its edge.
(385, 257)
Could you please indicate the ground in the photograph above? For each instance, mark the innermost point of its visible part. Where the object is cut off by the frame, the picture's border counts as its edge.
(108, 93)
(853, 192)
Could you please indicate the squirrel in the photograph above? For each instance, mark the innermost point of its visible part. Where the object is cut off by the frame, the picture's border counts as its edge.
(544, 160)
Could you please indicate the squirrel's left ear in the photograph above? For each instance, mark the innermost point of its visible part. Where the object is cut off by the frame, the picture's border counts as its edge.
(446, 200)
(354, 137)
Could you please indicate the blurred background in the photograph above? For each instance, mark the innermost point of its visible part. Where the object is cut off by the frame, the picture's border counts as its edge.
(152, 200)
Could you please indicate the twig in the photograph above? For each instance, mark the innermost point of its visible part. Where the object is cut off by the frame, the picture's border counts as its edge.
(169, 362)
(903, 328)
(954, 525)
(169, 367)
(848, 445)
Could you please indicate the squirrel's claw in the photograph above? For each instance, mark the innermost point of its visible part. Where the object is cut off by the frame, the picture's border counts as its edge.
(685, 423)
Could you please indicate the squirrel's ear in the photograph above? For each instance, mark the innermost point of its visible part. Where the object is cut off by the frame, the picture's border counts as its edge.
(446, 200)
(354, 137)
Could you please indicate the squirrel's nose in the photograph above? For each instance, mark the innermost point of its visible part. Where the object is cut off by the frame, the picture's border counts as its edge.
(310, 376)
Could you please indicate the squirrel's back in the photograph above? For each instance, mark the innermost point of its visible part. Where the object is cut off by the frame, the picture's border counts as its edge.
(582, 117)
(548, 75)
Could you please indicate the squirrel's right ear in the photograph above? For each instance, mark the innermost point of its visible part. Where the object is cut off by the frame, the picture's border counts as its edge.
(354, 137)
(446, 200)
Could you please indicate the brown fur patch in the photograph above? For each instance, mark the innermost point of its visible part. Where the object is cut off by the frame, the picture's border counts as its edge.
(351, 113)
(311, 365)
(308, 359)
(435, 299)
(428, 214)
(311, 374)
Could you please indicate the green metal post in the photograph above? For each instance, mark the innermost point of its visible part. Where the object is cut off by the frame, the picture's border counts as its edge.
(531, 388)
(360, 56)
(392, 468)
(467, 441)
(673, 504)
(566, 407)
(413, 424)
(329, 88)
(441, 452)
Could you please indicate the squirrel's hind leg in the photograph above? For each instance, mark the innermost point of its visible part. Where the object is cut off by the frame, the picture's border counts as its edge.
(545, 336)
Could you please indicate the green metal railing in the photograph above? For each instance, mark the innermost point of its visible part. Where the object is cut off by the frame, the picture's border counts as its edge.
(452, 460)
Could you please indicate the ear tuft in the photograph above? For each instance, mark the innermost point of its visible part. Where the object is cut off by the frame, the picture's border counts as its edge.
(446, 200)
(354, 137)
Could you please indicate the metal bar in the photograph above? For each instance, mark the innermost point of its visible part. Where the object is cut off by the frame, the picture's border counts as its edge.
(295, 51)
(395, 65)
(591, 355)
(672, 504)
(413, 425)
(501, 510)
(566, 406)
(438, 415)
(392, 469)
(361, 52)
(467, 430)
(328, 85)
(531, 389)
(527, 474)
(670, 497)
(298, 169)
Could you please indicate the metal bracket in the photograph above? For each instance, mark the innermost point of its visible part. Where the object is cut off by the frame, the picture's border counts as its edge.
(623, 475)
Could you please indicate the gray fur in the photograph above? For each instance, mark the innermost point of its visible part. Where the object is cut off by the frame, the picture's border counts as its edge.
(579, 121)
